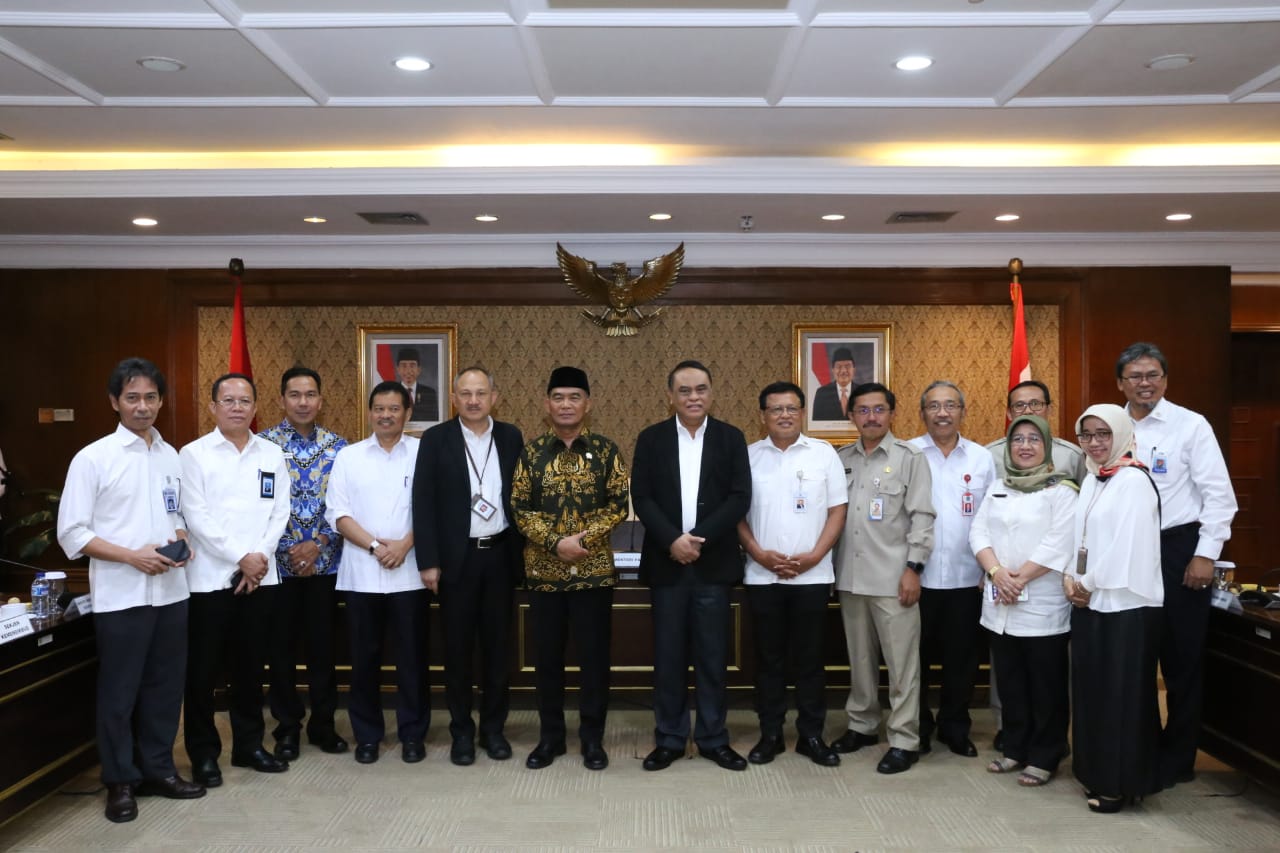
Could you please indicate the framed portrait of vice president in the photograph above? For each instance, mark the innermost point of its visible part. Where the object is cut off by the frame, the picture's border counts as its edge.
(831, 359)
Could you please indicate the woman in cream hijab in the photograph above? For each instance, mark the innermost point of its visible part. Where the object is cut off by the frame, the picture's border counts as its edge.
(1117, 591)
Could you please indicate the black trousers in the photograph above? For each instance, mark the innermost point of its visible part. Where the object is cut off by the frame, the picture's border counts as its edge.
(227, 634)
(1035, 679)
(1186, 622)
(589, 614)
(475, 607)
(789, 622)
(950, 635)
(305, 616)
(369, 616)
(690, 625)
(142, 663)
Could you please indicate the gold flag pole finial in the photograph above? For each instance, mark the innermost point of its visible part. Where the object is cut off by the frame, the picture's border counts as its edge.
(1015, 268)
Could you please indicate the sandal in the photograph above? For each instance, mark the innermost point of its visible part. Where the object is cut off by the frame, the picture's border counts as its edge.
(1107, 805)
(1003, 765)
(1033, 777)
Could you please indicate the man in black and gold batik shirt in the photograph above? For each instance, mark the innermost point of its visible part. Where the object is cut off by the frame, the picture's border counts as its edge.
(569, 492)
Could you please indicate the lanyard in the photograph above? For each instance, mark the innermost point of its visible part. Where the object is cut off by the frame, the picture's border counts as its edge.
(471, 459)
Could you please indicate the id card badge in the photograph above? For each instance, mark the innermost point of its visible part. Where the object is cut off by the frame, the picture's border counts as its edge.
(875, 509)
(170, 495)
(995, 592)
(482, 507)
(267, 484)
(800, 502)
(1082, 560)
(966, 504)
(1160, 462)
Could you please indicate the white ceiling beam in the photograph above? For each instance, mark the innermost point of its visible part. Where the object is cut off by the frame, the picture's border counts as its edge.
(49, 72)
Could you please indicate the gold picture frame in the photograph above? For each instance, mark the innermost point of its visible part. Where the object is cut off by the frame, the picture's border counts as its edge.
(813, 346)
(436, 347)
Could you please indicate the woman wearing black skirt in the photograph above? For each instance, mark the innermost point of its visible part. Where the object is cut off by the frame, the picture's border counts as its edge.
(1117, 591)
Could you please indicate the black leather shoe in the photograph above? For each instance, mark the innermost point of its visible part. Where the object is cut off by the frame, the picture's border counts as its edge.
(897, 760)
(207, 773)
(463, 751)
(594, 757)
(817, 751)
(961, 746)
(495, 746)
(926, 745)
(543, 754)
(367, 753)
(260, 760)
(852, 741)
(174, 787)
(121, 806)
(287, 747)
(413, 751)
(769, 747)
(661, 758)
(724, 756)
(330, 742)
(997, 743)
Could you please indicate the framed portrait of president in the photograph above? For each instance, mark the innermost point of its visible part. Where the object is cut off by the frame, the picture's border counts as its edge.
(421, 358)
(831, 359)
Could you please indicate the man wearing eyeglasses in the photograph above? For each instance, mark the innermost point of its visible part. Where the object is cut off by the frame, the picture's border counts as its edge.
(798, 502)
(1032, 398)
(236, 503)
(1197, 505)
(888, 535)
(950, 594)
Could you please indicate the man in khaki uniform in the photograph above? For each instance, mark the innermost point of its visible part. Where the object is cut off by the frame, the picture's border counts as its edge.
(888, 535)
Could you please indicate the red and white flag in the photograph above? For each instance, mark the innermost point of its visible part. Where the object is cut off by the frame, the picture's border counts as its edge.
(1020, 357)
(239, 360)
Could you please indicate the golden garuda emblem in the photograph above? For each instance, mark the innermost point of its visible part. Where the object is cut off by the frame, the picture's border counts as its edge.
(619, 292)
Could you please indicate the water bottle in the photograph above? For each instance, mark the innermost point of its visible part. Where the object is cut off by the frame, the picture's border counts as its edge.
(41, 607)
(57, 586)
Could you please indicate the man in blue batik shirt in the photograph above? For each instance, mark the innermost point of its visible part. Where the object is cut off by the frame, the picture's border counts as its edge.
(307, 557)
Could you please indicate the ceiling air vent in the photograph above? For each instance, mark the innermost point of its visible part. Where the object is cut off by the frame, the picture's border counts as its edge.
(394, 218)
(920, 217)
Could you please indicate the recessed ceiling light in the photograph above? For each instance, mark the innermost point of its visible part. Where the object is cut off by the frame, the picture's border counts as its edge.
(833, 217)
(145, 222)
(412, 63)
(659, 217)
(315, 220)
(913, 63)
(1008, 217)
(1178, 217)
(161, 63)
(1170, 61)
(486, 217)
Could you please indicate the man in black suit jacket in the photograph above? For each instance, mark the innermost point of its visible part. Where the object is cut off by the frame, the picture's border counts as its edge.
(471, 554)
(690, 486)
(827, 403)
(425, 402)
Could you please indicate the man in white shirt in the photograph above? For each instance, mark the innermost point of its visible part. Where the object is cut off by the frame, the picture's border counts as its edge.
(1197, 505)
(121, 501)
(798, 505)
(236, 503)
(950, 585)
(370, 502)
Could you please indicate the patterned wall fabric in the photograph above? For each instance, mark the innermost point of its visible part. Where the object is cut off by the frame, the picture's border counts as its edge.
(746, 347)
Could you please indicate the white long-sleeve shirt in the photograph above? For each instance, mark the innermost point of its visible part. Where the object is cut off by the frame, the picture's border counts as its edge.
(1118, 521)
(951, 564)
(1193, 479)
(115, 491)
(1028, 526)
(228, 511)
(375, 488)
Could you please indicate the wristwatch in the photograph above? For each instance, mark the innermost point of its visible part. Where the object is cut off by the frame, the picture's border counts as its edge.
(915, 567)
(374, 545)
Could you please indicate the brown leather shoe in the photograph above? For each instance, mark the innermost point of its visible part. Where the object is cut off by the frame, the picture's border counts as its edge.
(121, 806)
(174, 787)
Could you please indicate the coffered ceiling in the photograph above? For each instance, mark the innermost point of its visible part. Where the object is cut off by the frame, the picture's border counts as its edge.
(574, 120)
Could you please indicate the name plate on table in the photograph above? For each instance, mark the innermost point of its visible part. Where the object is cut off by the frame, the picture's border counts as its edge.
(15, 627)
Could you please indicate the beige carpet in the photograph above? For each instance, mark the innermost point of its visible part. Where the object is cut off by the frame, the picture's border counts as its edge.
(944, 803)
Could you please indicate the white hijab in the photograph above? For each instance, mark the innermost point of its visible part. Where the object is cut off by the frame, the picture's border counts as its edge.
(1122, 440)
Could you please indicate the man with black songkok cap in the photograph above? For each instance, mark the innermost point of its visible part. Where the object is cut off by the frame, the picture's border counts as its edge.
(569, 491)
(831, 401)
(423, 400)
